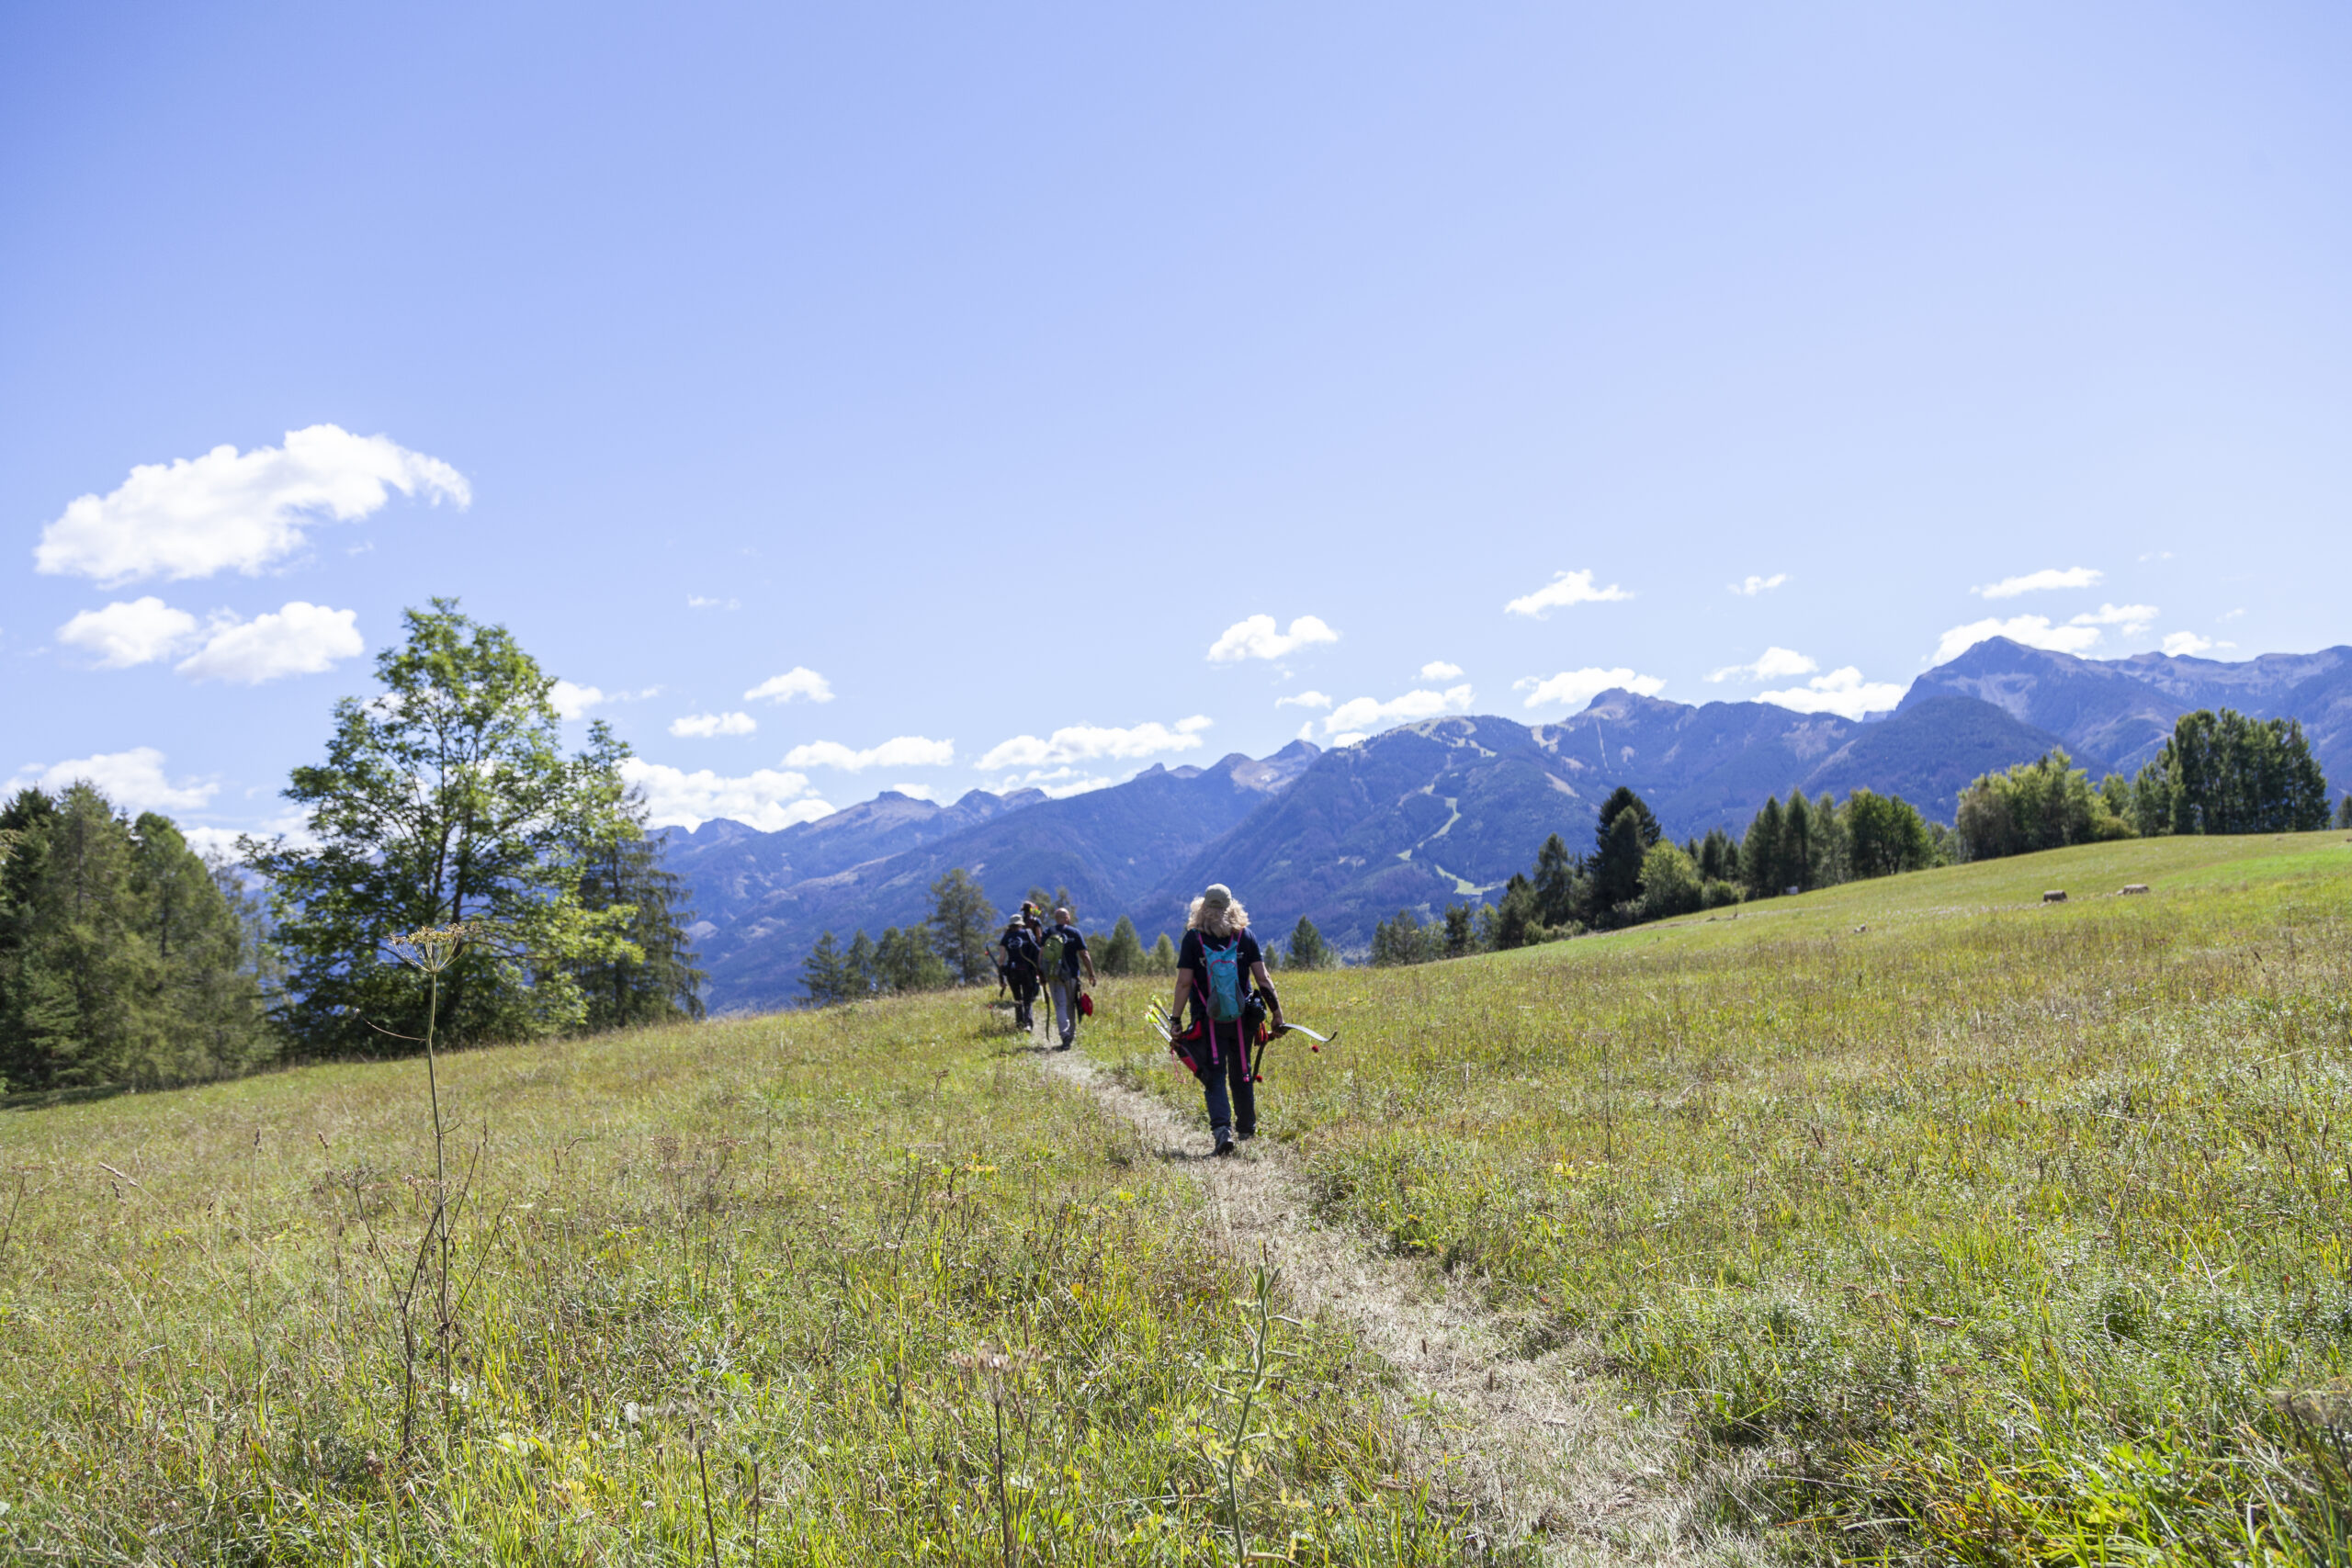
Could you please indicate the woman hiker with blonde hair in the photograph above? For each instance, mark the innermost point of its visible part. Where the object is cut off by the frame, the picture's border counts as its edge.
(1219, 964)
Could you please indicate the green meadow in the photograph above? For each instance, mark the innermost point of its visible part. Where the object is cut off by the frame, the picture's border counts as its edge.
(1945, 1224)
(1956, 1225)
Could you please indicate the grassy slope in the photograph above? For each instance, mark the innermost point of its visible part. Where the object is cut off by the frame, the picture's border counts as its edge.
(775, 1238)
(1994, 1221)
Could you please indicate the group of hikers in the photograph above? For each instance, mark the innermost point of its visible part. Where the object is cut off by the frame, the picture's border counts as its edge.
(1221, 981)
(1030, 956)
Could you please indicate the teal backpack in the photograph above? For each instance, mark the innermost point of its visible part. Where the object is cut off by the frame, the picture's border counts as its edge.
(1224, 966)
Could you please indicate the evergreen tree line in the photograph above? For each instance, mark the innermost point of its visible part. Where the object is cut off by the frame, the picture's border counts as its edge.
(445, 800)
(125, 958)
(950, 947)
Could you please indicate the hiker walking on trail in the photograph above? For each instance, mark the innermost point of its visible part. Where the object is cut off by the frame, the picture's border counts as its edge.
(1064, 952)
(1017, 963)
(1217, 968)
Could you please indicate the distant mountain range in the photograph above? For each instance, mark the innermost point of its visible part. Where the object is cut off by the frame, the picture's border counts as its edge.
(1446, 810)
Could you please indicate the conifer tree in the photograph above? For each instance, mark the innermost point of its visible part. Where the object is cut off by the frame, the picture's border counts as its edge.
(1759, 851)
(1461, 939)
(1122, 953)
(1554, 883)
(1163, 955)
(962, 921)
(1307, 948)
(859, 973)
(653, 980)
(821, 974)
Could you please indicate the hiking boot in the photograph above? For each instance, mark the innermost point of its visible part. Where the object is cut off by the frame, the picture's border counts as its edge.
(1226, 1146)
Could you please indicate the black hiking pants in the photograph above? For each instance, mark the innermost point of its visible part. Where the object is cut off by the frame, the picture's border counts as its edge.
(1233, 1099)
(1024, 981)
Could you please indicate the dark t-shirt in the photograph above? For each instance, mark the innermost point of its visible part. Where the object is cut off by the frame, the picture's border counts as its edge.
(1073, 945)
(1020, 947)
(1190, 957)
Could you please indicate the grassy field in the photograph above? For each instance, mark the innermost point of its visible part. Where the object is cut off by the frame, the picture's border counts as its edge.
(1950, 1226)
(853, 1288)
(1996, 1226)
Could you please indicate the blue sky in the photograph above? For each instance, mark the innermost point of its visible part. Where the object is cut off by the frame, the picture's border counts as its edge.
(1032, 394)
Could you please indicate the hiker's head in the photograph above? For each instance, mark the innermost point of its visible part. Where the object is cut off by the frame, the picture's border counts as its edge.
(1216, 912)
(1062, 915)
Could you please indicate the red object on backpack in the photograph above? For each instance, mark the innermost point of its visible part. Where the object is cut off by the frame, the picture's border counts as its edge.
(1085, 1005)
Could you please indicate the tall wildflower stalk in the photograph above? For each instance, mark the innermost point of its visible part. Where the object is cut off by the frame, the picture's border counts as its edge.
(431, 951)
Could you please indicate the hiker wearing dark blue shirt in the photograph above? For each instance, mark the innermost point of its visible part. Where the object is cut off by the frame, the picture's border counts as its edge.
(1066, 954)
(1017, 962)
(1218, 967)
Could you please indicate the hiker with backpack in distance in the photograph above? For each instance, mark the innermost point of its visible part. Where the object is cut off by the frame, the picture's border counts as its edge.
(1064, 952)
(1215, 971)
(1017, 962)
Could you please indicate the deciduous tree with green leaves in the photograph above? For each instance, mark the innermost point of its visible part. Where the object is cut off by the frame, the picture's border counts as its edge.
(447, 800)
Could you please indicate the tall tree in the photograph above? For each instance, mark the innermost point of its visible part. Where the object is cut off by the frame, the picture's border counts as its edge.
(962, 921)
(1556, 872)
(1759, 851)
(1886, 835)
(445, 800)
(822, 975)
(1615, 868)
(1122, 950)
(1461, 937)
(1307, 948)
(1514, 920)
(1795, 869)
(652, 979)
(904, 962)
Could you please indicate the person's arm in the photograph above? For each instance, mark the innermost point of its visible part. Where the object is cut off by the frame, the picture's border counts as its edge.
(1088, 959)
(1183, 991)
(1266, 989)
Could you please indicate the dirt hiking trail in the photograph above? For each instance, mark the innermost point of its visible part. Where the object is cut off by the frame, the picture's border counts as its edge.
(1535, 1449)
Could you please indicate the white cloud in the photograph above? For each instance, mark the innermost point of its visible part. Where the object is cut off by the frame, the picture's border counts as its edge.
(1303, 700)
(765, 799)
(1567, 587)
(1086, 742)
(794, 683)
(1573, 688)
(1257, 639)
(2231, 615)
(1841, 691)
(1752, 586)
(1776, 664)
(132, 780)
(1362, 715)
(917, 792)
(697, 602)
(704, 725)
(225, 511)
(122, 634)
(570, 700)
(1352, 738)
(573, 701)
(300, 638)
(1439, 669)
(2132, 618)
(905, 752)
(2034, 631)
(2188, 645)
(2040, 582)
